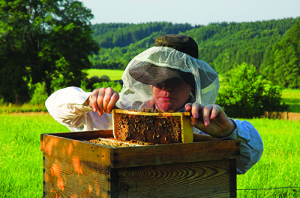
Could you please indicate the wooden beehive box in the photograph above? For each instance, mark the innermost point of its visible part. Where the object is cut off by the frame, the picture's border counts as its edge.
(153, 127)
(76, 168)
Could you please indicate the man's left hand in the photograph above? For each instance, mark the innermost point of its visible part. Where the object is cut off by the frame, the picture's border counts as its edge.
(211, 119)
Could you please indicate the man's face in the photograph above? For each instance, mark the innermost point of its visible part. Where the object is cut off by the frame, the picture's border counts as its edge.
(171, 94)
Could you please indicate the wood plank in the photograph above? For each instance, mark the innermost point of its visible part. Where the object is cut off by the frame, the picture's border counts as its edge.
(163, 114)
(198, 179)
(175, 153)
(75, 168)
(202, 138)
(233, 184)
(69, 178)
(187, 129)
(85, 135)
(74, 149)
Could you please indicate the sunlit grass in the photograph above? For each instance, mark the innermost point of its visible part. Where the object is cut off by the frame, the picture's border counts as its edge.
(27, 107)
(279, 164)
(292, 98)
(21, 163)
(112, 74)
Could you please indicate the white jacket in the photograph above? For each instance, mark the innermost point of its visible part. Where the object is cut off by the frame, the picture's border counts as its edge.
(68, 106)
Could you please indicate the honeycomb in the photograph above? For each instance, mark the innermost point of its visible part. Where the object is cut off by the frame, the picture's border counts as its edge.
(145, 126)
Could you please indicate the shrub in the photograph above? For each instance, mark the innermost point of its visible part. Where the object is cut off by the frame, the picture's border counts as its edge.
(87, 84)
(39, 95)
(114, 85)
(248, 95)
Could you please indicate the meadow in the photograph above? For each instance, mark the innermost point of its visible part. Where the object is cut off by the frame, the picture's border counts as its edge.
(292, 98)
(112, 74)
(21, 172)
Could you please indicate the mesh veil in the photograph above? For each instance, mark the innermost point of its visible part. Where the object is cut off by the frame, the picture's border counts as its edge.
(136, 95)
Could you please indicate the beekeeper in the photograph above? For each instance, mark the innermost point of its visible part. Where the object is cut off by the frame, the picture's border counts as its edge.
(168, 76)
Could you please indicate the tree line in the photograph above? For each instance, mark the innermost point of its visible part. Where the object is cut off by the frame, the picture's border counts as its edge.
(52, 43)
(222, 45)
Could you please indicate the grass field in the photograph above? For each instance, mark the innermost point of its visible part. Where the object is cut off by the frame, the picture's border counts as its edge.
(112, 74)
(292, 98)
(21, 173)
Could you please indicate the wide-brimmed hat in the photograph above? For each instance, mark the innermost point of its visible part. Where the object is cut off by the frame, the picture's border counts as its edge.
(152, 75)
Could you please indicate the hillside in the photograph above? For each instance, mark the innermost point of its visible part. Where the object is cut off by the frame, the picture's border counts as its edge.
(223, 45)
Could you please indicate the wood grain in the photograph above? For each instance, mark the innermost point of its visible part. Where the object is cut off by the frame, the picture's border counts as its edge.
(74, 168)
(175, 153)
(198, 179)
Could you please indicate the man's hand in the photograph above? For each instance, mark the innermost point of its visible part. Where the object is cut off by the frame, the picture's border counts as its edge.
(210, 119)
(103, 100)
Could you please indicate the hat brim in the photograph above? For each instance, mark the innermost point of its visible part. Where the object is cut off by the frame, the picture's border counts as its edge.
(151, 74)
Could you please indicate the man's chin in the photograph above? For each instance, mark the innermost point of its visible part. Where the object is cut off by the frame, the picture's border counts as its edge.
(166, 108)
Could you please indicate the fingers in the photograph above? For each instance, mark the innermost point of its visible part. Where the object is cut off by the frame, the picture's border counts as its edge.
(203, 113)
(112, 102)
(193, 108)
(103, 100)
(99, 100)
(209, 112)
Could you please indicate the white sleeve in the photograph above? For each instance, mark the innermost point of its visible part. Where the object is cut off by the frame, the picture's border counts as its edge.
(251, 145)
(68, 106)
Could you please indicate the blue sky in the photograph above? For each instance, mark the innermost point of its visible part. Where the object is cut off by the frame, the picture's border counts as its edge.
(195, 12)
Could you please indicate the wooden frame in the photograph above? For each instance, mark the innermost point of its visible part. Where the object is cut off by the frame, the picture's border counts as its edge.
(184, 117)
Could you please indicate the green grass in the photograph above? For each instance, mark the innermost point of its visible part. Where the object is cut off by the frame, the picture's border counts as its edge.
(21, 173)
(112, 74)
(12, 108)
(279, 164)
(292, 98)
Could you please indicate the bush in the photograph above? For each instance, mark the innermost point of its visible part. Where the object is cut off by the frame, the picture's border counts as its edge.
(114, 85)
(95, 82)
(248, 95)
(39, 95)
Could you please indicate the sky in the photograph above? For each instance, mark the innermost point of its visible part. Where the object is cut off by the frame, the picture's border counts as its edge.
(194, 12)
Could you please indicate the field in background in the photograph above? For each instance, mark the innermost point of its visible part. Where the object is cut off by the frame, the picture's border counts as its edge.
(292, 98)
(112, 74)
(21, 172)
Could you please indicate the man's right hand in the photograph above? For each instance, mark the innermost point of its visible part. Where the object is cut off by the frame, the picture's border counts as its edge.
(103, 100)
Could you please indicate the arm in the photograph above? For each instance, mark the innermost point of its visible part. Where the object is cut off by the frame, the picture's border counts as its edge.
(70, 107)
(251, 145)
(212, 120)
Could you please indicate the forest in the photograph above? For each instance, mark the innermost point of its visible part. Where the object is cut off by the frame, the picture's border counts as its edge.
(51, 45)
(272, 46)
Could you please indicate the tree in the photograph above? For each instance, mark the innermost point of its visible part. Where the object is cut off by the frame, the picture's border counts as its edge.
(247, 95)
(284, 63)
(43, 41)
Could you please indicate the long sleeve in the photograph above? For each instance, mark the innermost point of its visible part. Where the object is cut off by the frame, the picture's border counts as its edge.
(68, 106)
(251, 145)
